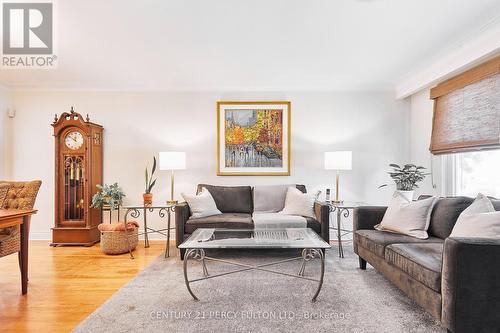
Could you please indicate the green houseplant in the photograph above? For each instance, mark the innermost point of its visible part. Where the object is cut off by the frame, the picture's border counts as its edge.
(108, 195)
(406, 178)
(150, 183)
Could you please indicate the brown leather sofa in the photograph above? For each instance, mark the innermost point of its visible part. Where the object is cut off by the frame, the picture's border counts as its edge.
(457, 280)
(236, 205)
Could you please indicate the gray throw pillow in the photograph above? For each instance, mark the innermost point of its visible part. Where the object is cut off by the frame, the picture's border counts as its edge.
(269, 198)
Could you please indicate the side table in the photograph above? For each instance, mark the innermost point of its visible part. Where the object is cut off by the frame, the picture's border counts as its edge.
(163, 210)
(343, 209)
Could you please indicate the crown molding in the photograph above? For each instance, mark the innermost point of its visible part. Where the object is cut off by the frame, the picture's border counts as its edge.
(463, 56)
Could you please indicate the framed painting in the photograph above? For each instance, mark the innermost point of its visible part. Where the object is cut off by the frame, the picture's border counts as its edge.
(253, 138)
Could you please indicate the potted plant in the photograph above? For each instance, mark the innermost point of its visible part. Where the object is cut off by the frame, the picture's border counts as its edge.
(150, 183)
(108, 195)
(406, 178)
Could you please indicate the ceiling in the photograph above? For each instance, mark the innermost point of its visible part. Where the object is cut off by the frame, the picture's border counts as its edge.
(252, 45)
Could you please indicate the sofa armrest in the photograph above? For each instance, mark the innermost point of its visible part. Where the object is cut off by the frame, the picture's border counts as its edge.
(322, 212)
(182, 214)
(366, 217)
(470, 285)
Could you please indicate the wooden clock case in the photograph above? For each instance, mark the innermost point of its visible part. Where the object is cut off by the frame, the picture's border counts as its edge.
(78, 170)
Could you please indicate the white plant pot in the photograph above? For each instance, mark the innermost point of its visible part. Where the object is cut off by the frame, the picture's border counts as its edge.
(408, 195)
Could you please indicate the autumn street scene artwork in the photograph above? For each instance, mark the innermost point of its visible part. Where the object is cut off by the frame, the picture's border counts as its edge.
(253, 138)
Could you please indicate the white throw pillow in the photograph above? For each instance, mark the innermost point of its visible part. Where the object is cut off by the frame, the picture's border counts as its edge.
(406, 217)
(478, 220)
(480, 205)
(201, 204)
(298, 203)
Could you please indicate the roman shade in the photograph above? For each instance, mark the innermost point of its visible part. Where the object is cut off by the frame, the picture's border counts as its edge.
(467, 111)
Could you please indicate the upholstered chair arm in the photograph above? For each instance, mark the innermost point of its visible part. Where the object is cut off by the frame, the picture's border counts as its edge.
(470, 285)
(181, 216)
(366, 217)
(322, 212)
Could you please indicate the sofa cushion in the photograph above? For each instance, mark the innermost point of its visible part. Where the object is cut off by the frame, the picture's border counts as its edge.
(423, 262)
(231, 199)
(269, 198)
(376, 241)
(445, 214)
(225, 220)
(277, 221)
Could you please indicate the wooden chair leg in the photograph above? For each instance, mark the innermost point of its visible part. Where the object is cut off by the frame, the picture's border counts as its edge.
(23, 254)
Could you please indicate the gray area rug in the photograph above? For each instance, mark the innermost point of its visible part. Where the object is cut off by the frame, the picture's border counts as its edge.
(351, 300)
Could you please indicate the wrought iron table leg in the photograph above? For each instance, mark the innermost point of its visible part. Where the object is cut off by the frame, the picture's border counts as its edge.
(306, 256)
(203, 263)
(322, 273)
(146, 238)
(167, 249)
(128, 236)
(339, 235)
(190, 253)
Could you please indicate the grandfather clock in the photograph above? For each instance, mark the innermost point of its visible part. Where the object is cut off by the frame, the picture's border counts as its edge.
(78, 169)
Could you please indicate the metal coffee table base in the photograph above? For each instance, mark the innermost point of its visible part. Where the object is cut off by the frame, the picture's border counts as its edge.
(307, 255)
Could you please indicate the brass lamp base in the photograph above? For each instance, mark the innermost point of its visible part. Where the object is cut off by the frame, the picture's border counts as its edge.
(172, 202)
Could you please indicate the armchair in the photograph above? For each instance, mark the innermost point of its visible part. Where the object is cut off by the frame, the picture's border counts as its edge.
(15, 195)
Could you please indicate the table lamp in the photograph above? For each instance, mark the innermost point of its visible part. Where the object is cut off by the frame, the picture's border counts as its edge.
(172, 160)
(338, 160)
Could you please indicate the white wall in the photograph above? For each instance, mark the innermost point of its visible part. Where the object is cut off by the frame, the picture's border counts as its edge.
(5, 104)
(421, 111)
(138, 125)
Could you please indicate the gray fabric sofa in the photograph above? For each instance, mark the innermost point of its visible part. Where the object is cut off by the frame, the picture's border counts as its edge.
(457, 280)
(237, 205)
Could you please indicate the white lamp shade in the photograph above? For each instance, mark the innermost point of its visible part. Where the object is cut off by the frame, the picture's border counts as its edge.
(338, 160)
(172, 160)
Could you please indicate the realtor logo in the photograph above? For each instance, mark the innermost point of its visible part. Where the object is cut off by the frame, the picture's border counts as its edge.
(28, 35)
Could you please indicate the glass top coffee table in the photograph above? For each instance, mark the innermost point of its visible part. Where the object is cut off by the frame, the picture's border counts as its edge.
(293, 238)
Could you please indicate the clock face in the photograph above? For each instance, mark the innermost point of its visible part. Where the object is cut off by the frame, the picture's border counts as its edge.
(74, 140)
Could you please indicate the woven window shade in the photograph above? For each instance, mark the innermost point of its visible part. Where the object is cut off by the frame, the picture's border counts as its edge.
(467, 111)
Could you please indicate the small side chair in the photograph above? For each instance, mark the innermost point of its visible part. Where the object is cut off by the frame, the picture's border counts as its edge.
(15, 195)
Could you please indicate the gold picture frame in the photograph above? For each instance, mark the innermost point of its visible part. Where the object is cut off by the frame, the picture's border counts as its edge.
(253, 138)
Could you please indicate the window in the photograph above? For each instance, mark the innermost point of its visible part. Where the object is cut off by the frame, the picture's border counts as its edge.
(476, 172)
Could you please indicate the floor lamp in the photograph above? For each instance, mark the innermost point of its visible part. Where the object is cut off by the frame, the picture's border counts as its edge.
(338, 160)
(172, 160)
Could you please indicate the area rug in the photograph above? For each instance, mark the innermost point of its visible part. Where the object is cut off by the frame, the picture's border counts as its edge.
(351, 300)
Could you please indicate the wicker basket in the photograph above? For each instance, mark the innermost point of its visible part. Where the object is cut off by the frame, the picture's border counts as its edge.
(119, 242)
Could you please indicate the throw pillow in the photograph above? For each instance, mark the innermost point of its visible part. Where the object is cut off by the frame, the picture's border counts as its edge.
(201, 204)
(478, 220)
(481, 204)
(407, 217)
(269, 198)
(298, 203)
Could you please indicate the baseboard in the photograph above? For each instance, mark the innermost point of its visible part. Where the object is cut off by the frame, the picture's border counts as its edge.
(47, 235)
(40, 235)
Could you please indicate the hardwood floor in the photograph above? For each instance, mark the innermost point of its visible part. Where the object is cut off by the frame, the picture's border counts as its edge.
(66, 284)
